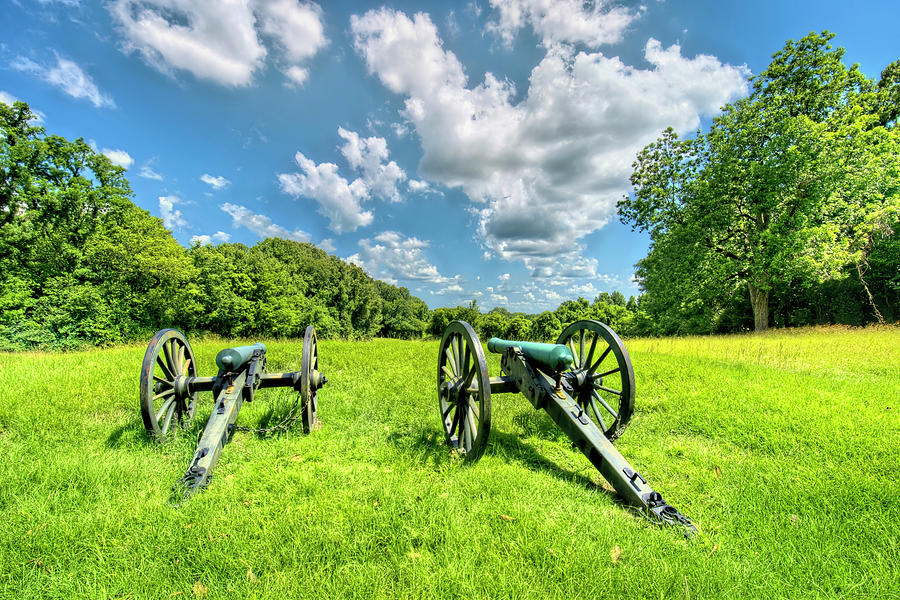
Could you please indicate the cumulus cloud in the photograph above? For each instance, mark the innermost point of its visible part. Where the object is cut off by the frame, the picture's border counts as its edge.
(297, 29)
(370, 157)
(119, 157)
(392, 257)
(327, 245)
(216, 182)
(171, 216)
(67, 76)
(340, 200)
(206, 240)
(220, 42)
(571, 21)
(261, 225)
(565, 148)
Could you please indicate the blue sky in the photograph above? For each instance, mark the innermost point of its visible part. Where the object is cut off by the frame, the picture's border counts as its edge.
(463, 150)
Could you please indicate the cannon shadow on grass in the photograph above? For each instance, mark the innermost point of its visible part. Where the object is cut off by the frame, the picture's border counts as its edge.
(429, 444)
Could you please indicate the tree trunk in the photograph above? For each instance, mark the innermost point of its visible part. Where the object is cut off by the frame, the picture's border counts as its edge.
(878, 314)
(759, 300)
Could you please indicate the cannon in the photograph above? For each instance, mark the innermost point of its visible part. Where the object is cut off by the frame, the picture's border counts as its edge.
(170, 387)
(585, 382)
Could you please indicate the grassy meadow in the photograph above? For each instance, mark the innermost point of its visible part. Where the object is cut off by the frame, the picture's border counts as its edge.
(784, 448)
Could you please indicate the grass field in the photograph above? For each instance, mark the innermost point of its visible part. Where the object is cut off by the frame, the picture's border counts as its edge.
(784, 448)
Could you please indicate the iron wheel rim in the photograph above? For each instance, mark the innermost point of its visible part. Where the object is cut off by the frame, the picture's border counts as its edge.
(464, 391)
(309, 398)
(168, 358)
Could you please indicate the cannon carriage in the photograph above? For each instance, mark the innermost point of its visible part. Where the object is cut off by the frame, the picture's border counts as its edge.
(170, 387)
(585, 382)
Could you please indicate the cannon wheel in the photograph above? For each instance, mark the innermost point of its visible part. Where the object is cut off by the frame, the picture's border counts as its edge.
(168, 357)
(309, 396)
(602, 362)
(464, 390)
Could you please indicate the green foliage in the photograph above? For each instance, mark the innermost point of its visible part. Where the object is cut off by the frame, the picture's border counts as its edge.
(792, 184)
(81, 264)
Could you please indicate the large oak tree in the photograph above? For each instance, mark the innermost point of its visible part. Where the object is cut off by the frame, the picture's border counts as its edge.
(791, 183)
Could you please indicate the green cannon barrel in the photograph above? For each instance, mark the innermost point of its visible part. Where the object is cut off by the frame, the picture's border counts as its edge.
(554, 357)
(231, 359)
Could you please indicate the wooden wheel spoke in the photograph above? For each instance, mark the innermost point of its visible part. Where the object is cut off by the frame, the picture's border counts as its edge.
(602, 375)
(450, 374)
(169, 414)
(165, 368)
(164, 394)
(470, 376)
(581, 356)
(610, 390)
(451, 362)
(447, 412)
(167, 352)
(179, 360)
(467, 368)
(599, 360)
(571, 343)
(164, 408)
(165, 382)
(458, 353)
(187, 364)
(597, 416)
(455, 420)
(590, 354)
(600, 399)
(473, 407)
(471, 429)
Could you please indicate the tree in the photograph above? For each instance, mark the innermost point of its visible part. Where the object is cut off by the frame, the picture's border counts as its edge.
(771, 193)
(80, 262)
(546, 327)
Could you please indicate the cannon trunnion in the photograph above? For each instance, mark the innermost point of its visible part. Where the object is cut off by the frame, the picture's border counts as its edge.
(170, 388)
(585, 382)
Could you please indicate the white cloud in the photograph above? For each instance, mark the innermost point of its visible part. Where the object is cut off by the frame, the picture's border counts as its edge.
(503, 277)
(171, 216)
(216, 182)
(569, 21)
(391, 256)
(119, 157)
(296, 75)
(219, 42)
(564, 149)
(296, 28)
(205, 240)
(261, 225)
(338, 200)
(146, 171)
(327, 245)
(417, 186)
(67, 76)
(370, 157)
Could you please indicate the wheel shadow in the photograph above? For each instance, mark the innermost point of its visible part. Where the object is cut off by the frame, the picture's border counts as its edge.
(429, 447)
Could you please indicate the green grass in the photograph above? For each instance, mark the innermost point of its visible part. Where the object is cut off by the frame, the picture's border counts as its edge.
(782, 447)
